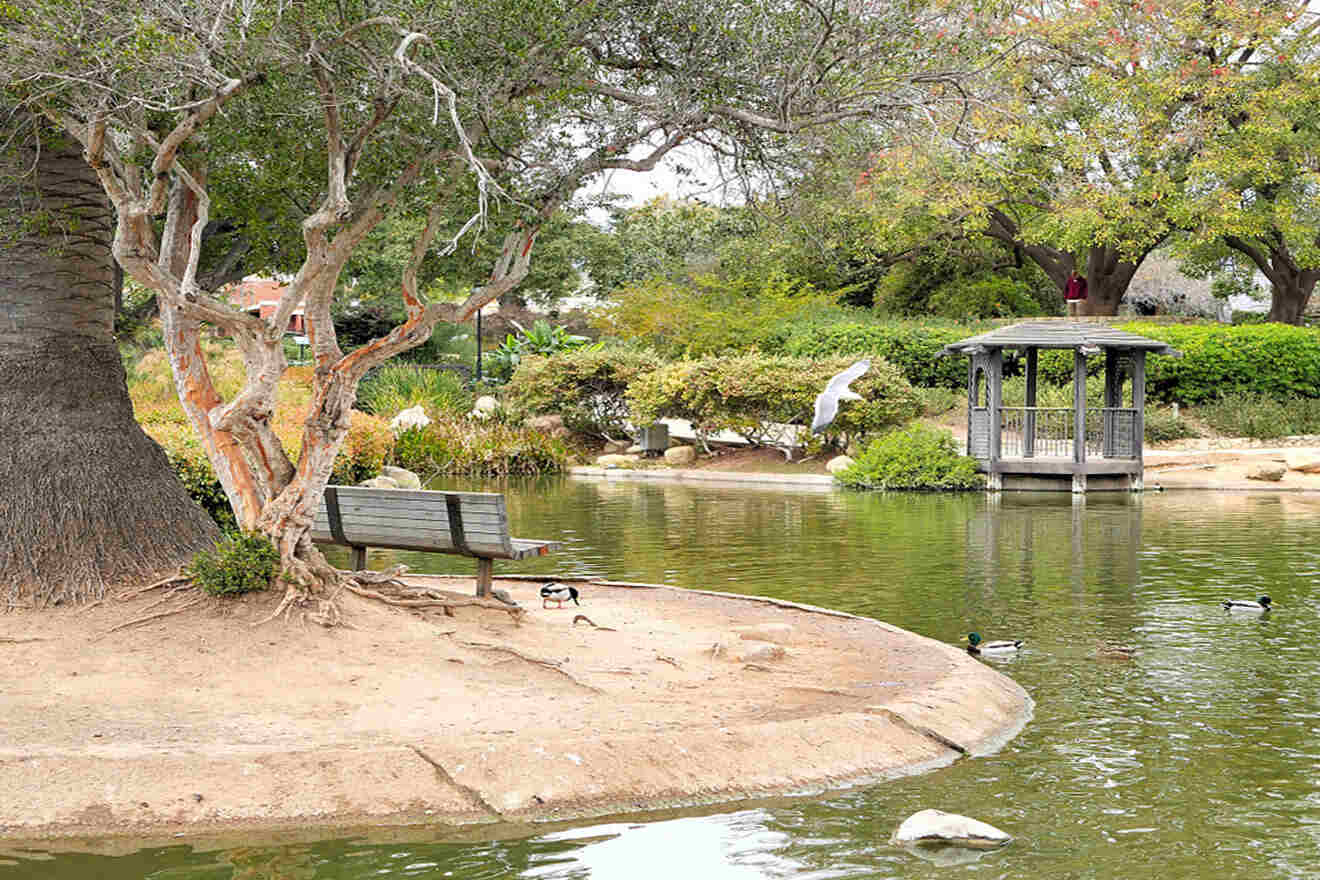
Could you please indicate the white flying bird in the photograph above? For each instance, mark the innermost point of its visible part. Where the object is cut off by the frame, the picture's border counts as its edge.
(827, 402)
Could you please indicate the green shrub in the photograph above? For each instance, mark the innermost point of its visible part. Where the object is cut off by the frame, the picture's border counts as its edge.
(991, 296)
(585, 385)
(747, 392)
(1261, 417)
(1162, 426)
(938, 401)
(912, 347)
(388, 390)
(1273, 360)
(542, 339)
(458, 446)
(914, 457)
(239, 563)
(364, 450)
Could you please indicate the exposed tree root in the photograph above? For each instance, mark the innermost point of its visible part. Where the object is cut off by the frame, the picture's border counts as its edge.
(5, 640)
(177, 577)
(410, 597)
(552, 665)
(150, 617)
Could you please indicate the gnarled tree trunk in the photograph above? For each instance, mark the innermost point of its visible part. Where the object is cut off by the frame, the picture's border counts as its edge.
(1291, 285)
(1108, 274)
(89, 501)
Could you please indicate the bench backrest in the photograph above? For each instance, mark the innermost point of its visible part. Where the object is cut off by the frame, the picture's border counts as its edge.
(469, 523)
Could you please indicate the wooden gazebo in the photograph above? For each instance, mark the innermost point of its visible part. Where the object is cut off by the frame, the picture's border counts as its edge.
(1058, 448)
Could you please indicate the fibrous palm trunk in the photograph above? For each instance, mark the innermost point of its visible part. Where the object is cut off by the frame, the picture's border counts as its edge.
(87, 500)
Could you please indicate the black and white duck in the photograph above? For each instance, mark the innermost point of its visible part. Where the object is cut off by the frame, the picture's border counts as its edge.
(559, 594)
(977, 645)
(1259, 606)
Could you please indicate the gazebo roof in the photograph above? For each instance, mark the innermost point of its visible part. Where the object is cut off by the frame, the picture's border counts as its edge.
(1059, 334)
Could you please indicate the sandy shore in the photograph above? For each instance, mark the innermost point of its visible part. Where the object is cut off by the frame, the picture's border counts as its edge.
(202, 722)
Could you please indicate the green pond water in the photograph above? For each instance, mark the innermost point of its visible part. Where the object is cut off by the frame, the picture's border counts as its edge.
(1199, 758)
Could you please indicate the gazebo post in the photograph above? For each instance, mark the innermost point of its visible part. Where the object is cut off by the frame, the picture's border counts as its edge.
(1079, 421)
(1113, 398)
(1139, 417)
(1029, 419)
(995, 391)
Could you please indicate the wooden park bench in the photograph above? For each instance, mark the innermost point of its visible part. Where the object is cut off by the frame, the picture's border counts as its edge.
(463, 523)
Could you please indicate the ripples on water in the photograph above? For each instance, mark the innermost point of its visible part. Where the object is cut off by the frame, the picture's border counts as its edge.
(1199, 757)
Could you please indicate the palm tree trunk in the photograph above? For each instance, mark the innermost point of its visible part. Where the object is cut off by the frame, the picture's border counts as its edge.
(89, 501)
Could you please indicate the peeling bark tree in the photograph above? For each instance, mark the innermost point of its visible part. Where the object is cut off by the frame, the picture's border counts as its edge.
(89, 500)
(441, 110)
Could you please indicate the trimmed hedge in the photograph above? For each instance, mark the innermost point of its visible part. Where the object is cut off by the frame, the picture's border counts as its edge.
(913, 348)
(745, 392)
(585, 386)
(1275, 360)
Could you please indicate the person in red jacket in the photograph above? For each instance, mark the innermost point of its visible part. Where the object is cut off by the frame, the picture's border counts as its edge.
(1075, 293)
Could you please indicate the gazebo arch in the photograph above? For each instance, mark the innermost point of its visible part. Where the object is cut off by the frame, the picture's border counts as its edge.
(1058, 448)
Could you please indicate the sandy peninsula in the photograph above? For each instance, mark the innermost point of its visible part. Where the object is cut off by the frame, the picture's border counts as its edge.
(202, 722)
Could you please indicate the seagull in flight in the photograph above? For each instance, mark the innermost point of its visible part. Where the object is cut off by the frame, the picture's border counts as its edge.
(827, 402)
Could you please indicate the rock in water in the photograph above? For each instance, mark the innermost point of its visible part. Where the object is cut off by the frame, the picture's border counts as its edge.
(938, 827)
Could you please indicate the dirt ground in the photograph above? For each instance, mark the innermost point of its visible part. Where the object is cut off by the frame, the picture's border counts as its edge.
(120, 723)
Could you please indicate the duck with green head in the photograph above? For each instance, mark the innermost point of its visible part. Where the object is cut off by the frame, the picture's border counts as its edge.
(977, 645)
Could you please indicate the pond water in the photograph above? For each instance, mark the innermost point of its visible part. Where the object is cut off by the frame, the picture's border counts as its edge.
(1199, 757)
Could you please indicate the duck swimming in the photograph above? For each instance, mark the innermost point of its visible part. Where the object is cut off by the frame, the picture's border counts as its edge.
(1260, 605)
(559, 594)
(977, 645)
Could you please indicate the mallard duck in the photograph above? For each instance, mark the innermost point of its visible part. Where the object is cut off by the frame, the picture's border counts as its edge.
(1106, 651)
(1260, 605)
(559, 594)
(977, 645)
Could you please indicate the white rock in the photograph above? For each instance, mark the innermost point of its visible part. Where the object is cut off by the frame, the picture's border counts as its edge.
(608, 461)
(615, 447)
(1305, 460)
(412, 417)
(939, 827)
(405, 479)
(379, 483)
(681, 455)
(779, 633)
(838, 463)
(484, 408)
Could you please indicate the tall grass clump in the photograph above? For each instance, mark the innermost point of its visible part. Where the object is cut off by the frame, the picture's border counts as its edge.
(1261, 417)
(488, 449)
(395, 387)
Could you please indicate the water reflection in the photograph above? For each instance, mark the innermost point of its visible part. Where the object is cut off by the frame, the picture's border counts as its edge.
(1199, 756)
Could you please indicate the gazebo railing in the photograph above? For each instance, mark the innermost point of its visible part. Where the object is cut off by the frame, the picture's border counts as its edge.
(1048, 432)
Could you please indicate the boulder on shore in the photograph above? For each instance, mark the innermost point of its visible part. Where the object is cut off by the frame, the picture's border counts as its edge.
(680, 455)
(404, 478)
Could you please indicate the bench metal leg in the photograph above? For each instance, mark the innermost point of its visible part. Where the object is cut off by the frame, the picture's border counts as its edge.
(484, 568)
(359, 560)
